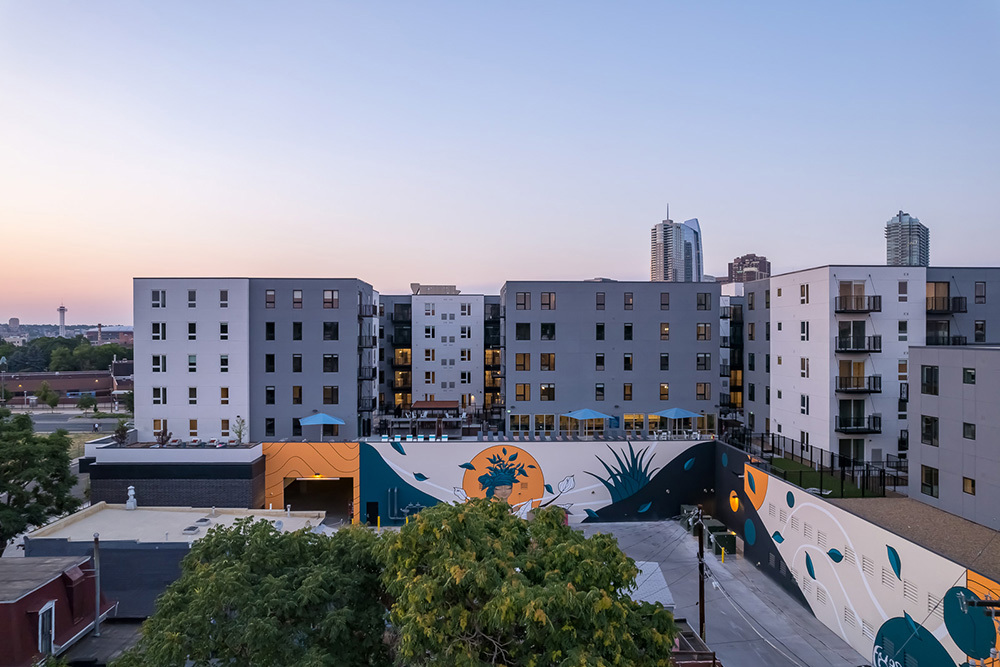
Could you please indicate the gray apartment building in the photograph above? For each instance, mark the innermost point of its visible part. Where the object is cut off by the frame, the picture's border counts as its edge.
(961, 304)
(954, 463)
(626, 349)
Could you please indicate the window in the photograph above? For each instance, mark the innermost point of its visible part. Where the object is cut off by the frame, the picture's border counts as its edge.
(224, 428)
(751, 331)
(627, 331)
(803, 331)
(980, 331)
(331, 395)
(969, 375)
(599, 331)
(968, 431)
(752, 392)
(903, 331)
(159, 331)
(522, 361)
(268, 330)
(547, 392)
(268, 363)
(929, 380)
(779, 326)
(902, 291)
(767, 363)
(627, 361)
(751, 301)
(664, 331)
(599, 305)
(751, 361)
(159, 395)
(929, 481)
(664, 300)
(296, 426)
(296, 394)
(331, 298)
(548, 331)
(192, 331)
(767, 298)
(269, 298)
(331, 363)
(980, 292)
(664, 361)
(159, 298)
(627, 391)
(599, 391)
(522, 301)
(465, 377)
(193, 428)
(779, 292)
(704, 301)
(703, 361)
(296, 298)
(160, 426)
(901, 370)
(223, 330)
(522, 392)
(223, 298)
(767, 395)
(803, 404)
(192, 395)
(430, 354)
(703, 391)
(629, 301)
(429, 377)
(223, 363)
(268, 395)
(767, 331)
(331, 331)
(664, 391)
(929, 430)
(465, 309)
(465, 355)
(192, 363)
(969, 486)
(704, 331)
(548, 361)
(804, 367)
(804, 293)
(269, 426)
(192, 298)
(599, 361)
(465, 332)
(548, 300)
(296, 330)
(522, 331)
(429, 309)
(296, 363)
(223, 395)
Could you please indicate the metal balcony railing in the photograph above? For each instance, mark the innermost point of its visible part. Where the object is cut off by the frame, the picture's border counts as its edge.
(862, 384)
(858, 304)
(724, 370)
(867, 424)
(943, 305)
(367, 373)
(367, 310)
(851, 344)
(726, 312)
(367, 341)
(725, 341)
(366, 404)
(939, 339)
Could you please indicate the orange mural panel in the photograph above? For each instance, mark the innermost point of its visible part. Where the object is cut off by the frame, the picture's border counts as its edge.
(284, 460)
(754, 485)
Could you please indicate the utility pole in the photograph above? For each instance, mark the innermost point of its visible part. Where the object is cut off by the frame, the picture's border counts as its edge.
(700, 527)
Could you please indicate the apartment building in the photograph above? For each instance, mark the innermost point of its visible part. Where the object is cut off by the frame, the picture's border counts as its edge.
(961, 302)
(954, 464)
(267, 351)
(626, 349)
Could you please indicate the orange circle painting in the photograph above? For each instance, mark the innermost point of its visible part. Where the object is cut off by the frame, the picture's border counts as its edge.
(504, 472)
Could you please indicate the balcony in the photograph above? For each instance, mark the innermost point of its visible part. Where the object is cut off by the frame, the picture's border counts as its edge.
(943, 339)
(725, 401)
(724, 370)
(861, 384)
(400, 383)
(869, 424)
(367, 310)
(402, 314)
(858, 344)
(726, 312)
(857, 304)
(725, 341)
(367, 373)
(943, 305)
(366, 404)
(367, 341)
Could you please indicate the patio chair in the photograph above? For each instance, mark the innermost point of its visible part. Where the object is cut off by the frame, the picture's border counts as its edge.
(444, 438)
(175, 442)
(431, 438)
(420, 438)
(213, 442)
(385, 438)
(397, 438)
(409, 438)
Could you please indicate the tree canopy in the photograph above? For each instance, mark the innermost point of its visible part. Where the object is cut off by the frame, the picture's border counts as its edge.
(61, 354)
(35, 477)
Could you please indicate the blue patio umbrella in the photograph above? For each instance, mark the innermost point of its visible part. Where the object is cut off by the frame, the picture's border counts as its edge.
(675, 413)
(586, 413)
(321, 419)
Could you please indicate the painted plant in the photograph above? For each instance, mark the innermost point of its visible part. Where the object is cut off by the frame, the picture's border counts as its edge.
(501, 474)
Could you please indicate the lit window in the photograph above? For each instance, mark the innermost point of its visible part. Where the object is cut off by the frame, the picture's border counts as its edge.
(193, 428)
(547, 392)
(522, 392)
(703, 391)
(548, 300)
(296, 395)
(224, 395)
(664, 391)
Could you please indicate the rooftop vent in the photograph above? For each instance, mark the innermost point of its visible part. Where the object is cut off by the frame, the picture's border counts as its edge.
(203, 521)
(191, 530)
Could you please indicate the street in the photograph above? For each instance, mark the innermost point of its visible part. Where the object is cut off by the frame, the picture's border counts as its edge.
(74, 421)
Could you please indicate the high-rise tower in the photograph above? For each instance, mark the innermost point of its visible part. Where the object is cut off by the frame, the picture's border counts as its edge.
(907, 242)
(675, 251)
(62, 321)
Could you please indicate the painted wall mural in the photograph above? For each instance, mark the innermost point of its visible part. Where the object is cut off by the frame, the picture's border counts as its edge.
(289, 460)
(891, 599)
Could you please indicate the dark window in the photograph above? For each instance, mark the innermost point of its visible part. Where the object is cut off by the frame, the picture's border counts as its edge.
(599, 391)
(269, 395)
(192, 298)
(929, 380)
(969, 375)
(548, 300)
(628, 331)
(980, 292)
(268, 330)
(767, 298)
(600, 301)
(192, 331)
(703, 361)
(331, 298)
(664, 300)
(269, 298)
(522, 301)
(968, 431)
(223, 298)
(704, 301)
(599, 331)
(547, 392)
(751, 361)
(599, 361)
(767, 363)
(296, 330)
(331, 395)
(629, 301)
(980, 331)
(767, 331)
(548, 331)
(296, 426)
(269, 426)
(296, 363)
(331, 331)
(331, 363)
(268, 363)
(751, 392)
(664, 361)
(929, 481)
(296, 298)
(522, 331)
(627, 361)
(751, 301)
(929, 430)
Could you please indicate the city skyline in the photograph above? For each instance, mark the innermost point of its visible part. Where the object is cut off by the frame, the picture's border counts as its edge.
(470, 145)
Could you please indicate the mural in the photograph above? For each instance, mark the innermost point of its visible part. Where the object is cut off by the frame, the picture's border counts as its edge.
(289, 460)
(891, 599)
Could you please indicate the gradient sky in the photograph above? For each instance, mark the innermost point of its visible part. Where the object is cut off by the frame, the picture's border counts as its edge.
(475, 142)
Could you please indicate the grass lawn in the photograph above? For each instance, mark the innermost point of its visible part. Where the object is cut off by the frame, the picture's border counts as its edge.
(804, 476)
(76, 443)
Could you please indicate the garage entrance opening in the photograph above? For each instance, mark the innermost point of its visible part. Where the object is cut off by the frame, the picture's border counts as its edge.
(331, 495)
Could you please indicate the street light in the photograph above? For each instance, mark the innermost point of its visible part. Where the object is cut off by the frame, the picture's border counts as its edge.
(3, 381)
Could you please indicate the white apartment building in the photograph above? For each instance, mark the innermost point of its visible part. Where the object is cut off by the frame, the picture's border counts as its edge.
(448, 346)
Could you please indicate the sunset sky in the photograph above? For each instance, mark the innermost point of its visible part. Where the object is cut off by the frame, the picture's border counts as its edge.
(476, 142)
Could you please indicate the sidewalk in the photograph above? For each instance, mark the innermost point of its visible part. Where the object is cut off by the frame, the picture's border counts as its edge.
(747, 604)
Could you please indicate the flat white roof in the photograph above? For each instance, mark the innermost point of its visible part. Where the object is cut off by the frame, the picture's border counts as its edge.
(161, 524)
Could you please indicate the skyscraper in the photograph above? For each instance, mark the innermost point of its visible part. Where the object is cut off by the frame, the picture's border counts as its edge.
(747, 268)
(675, 251)
(907, 242)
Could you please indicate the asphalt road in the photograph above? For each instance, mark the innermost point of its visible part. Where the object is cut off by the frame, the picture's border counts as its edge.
(47, 422)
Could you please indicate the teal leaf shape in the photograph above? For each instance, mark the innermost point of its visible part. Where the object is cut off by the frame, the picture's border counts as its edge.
(753, 485)
(420, 477)
(689, 464)
(777, 537)
(790, 499)
(548, 488)
(809, 567)
(835, 555)
(513, 457)
(897, 566)
(592, 514)
(725, 460)
(467, 466)
(398, 446)
(504, 450)
(912, 624)
(645, 507)
(530, 466)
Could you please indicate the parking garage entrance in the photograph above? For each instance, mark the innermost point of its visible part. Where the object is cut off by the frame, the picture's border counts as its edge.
(332, 495)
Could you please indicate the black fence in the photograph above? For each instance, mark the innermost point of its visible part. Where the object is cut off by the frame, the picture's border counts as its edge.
(819, 471)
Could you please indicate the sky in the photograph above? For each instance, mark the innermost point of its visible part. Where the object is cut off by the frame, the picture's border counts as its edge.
(471, 143)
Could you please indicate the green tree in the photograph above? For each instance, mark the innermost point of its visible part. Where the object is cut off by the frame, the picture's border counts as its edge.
(250, 595)
(473, 584)
(47, 395)
(128, 400)
(87, 402)
(35, 477)
(120, 434)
